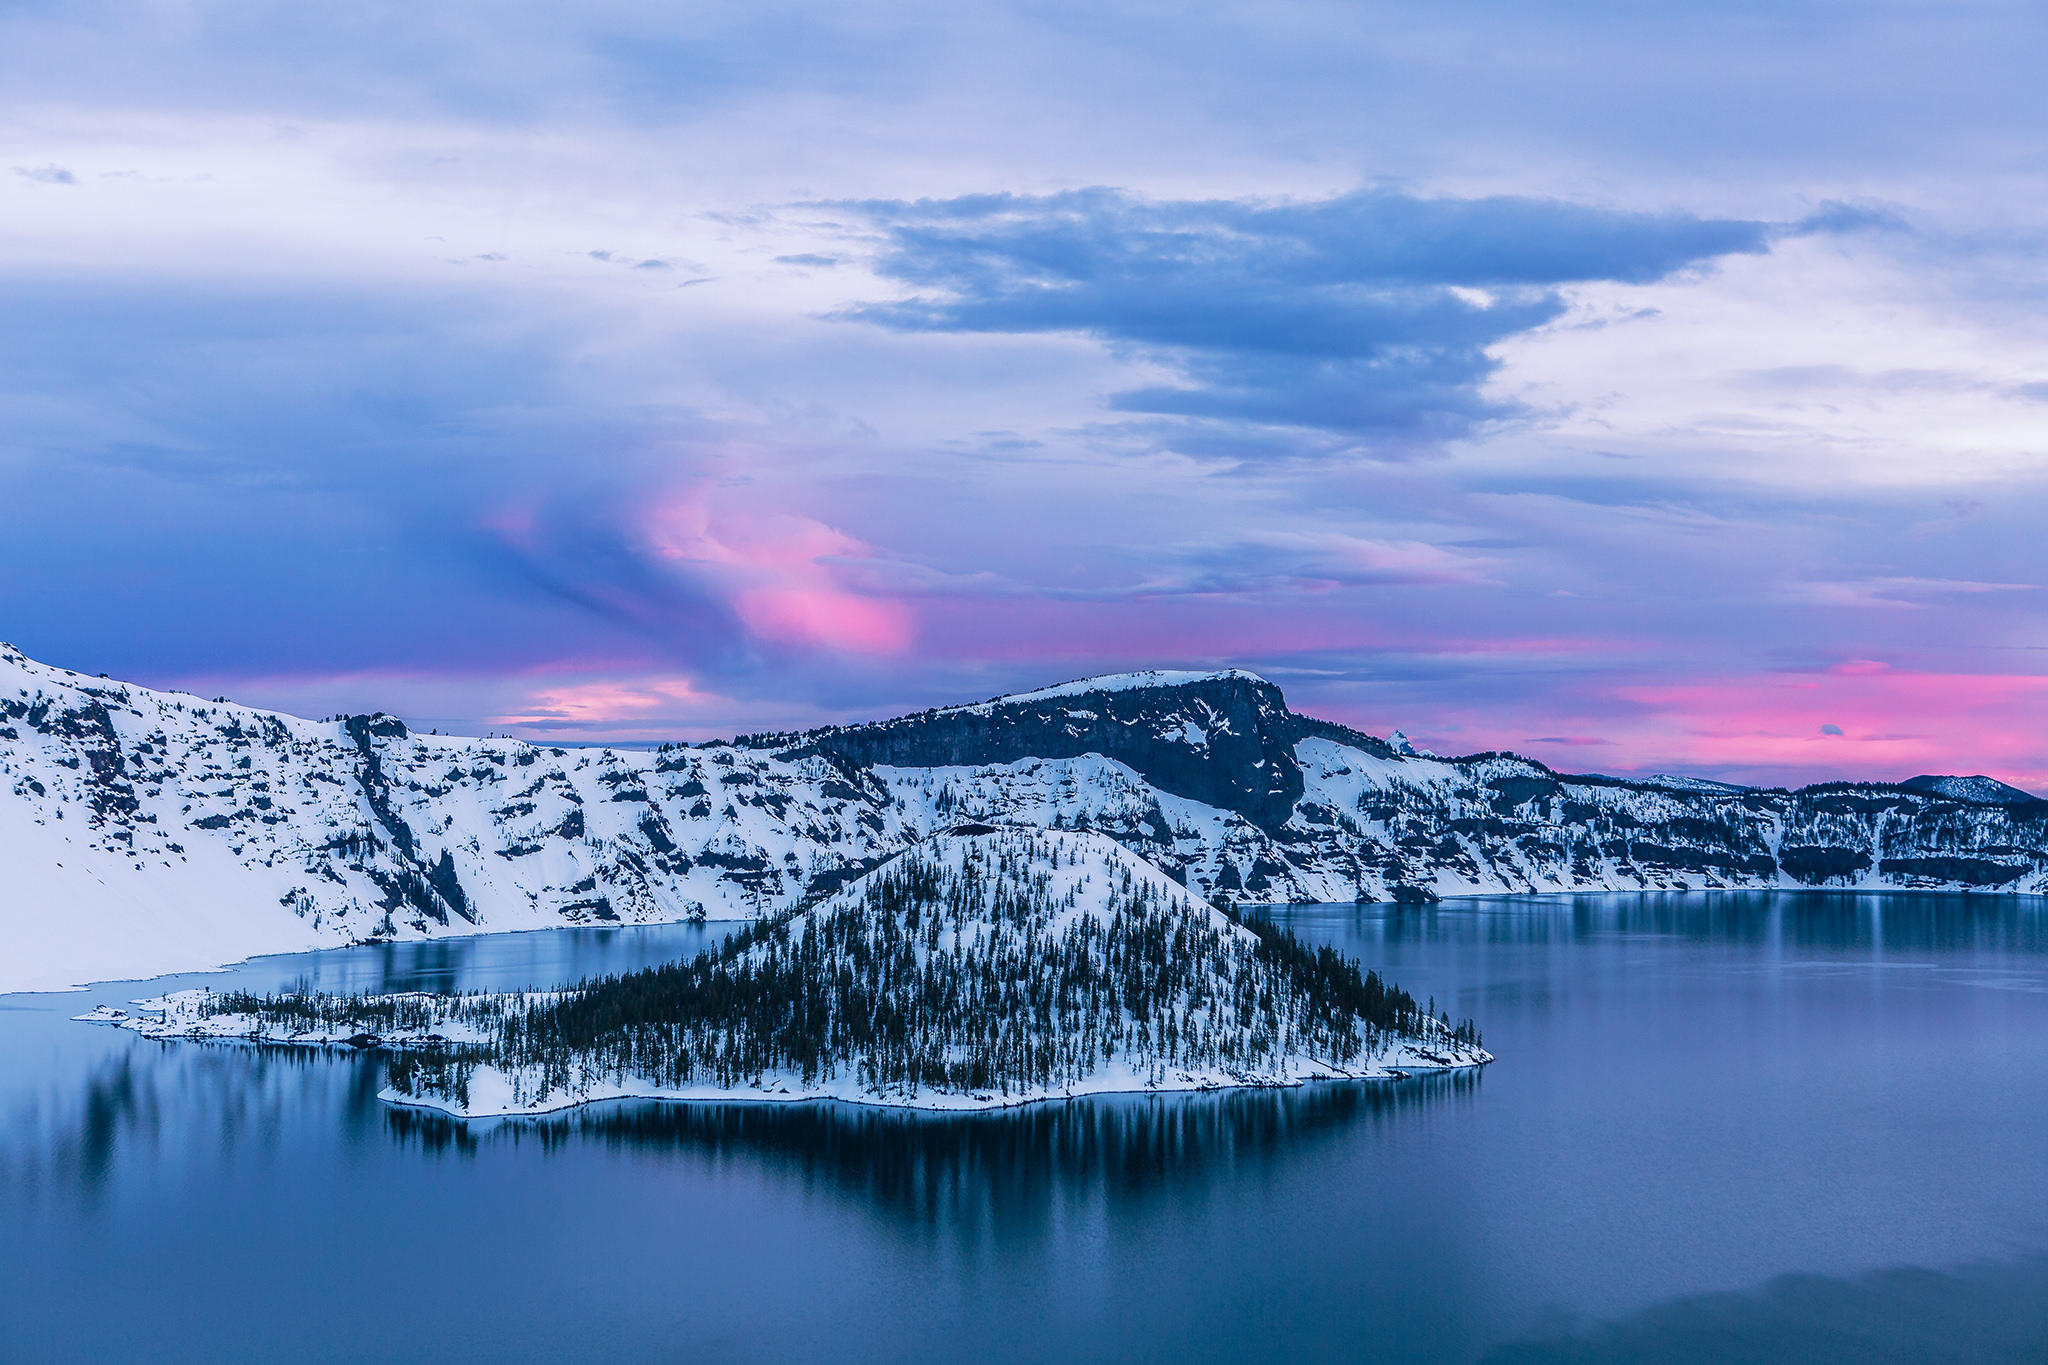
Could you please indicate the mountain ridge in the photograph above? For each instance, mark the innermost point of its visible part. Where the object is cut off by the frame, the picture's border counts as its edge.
(143, 831)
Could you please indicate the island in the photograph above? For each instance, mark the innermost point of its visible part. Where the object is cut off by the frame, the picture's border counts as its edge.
(976, 970)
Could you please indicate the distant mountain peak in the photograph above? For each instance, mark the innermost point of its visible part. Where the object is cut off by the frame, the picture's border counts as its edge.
(1676, 782)
(1979, 788)
(1405, 746)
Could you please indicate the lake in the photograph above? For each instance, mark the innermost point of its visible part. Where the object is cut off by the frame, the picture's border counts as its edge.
(1722, 1126)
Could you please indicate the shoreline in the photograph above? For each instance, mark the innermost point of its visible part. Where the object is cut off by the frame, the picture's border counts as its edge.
(1403, 1059)
(972, 1105)
(1461, 897)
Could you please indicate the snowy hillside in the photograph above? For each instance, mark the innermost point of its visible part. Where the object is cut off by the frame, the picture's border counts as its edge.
(144, 832)
(1985, 790)
(971, 972)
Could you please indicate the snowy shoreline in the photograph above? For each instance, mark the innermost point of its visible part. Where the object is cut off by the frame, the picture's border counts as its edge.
(1449, 902)
(931, 1103)
(493, 1093)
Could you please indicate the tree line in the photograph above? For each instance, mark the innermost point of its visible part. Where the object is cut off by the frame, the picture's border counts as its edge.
(969, 974)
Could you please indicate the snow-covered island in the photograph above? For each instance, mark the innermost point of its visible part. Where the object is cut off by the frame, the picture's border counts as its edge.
(974, 971)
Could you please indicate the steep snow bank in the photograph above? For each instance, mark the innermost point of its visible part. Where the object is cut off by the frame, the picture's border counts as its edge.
(68, 916)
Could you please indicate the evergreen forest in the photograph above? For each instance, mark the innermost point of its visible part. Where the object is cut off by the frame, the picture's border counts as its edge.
(1000, 965)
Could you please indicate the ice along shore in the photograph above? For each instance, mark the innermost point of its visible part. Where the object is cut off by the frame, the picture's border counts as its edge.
(975, 971)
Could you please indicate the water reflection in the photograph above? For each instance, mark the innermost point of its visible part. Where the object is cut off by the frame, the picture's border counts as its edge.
(154, 1103)
(954, 1169)
(1695, 1091)
(542, 959)
(151, 1105)
(1980, 1314)
(1848, 922)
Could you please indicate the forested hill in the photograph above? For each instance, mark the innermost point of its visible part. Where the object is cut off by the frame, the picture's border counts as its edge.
(144, 831)
(969, 972)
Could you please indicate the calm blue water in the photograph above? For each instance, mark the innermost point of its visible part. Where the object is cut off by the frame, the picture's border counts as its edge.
(1722, 1127)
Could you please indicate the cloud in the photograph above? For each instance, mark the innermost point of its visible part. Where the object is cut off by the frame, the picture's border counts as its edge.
(1768, 727)
(46, 175)
(1895, 592)
(780, 574)
(612, 702)
(1291, 562)
(1834, 217)
(252, 419)
(1368, 315)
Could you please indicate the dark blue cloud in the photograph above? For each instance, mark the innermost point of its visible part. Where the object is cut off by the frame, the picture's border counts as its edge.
(1368, 315)
(307, 480)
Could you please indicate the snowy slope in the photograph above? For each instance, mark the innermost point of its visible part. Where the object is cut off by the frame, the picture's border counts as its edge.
(145, 832)
(1109, 682)
(1988, 790)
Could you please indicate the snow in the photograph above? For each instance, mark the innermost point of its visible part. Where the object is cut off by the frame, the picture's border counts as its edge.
(1694, 784)
(120, 921)
(495, 1094)
(1988, 790)
(1401, 744)
(1110, 682)
(148, 832)
(180, 834)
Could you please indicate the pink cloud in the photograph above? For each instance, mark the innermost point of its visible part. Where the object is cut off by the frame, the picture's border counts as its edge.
(783, 575)
(1862, 722)
(826, 616)
(1858, 721)
(604, 701)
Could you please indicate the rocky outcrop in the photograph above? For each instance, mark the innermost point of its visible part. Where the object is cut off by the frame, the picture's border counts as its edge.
(1224, 739)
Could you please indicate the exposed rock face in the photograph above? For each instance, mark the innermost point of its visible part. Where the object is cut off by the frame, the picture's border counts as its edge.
(157, 819)
(1224, 739)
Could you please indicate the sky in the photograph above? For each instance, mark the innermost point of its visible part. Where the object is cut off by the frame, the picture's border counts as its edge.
(1640, 387)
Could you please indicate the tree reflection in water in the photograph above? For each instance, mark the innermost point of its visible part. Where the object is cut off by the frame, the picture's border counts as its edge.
(1848, 923)
(174, 1104)
(179, 1102)
(938, 1168)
